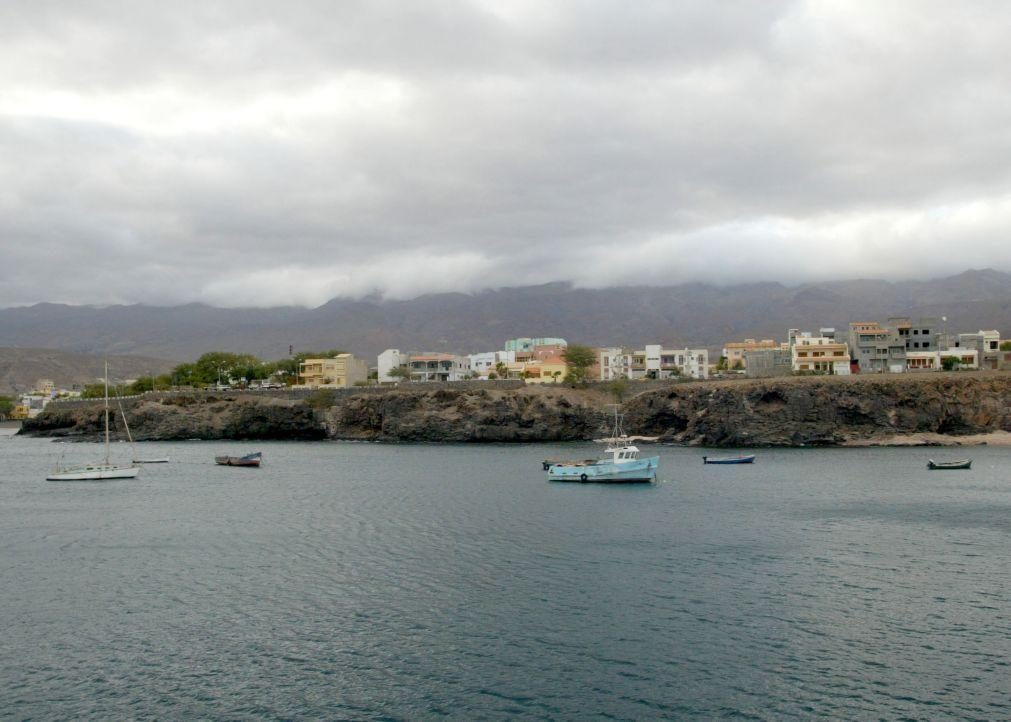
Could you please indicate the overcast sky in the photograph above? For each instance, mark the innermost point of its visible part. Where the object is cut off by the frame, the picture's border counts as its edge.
(265, 153)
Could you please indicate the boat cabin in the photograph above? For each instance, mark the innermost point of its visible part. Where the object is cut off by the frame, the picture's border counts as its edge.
(625, 452)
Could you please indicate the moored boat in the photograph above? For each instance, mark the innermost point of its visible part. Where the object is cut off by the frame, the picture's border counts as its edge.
(99, 471)
(247, 460)
(748, 459)
(619, 464)
(959, 464)
(161, 460)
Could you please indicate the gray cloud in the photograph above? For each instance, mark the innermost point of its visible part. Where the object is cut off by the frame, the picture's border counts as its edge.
(259, 154)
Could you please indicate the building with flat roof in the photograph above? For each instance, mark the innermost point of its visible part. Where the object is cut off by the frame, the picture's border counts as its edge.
(820, 355)
(735, 351)
(876, 349)
(340, 371)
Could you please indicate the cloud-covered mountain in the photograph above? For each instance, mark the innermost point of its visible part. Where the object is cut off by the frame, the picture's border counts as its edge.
(696, 314)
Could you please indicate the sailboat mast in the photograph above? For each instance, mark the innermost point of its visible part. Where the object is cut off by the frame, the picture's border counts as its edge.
(106, 413)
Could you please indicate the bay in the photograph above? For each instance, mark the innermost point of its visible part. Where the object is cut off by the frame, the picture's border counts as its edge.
(363, 581)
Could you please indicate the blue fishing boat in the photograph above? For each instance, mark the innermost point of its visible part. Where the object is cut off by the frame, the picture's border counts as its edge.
(620, 463)
(749, 459)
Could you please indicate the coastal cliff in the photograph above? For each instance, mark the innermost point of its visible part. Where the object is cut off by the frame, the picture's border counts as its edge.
(826, 411)
(776, 412)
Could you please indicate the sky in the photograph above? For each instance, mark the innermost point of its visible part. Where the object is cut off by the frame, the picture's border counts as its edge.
(263, 153)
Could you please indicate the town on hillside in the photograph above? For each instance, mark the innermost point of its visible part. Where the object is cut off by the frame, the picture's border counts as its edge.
(900, 345)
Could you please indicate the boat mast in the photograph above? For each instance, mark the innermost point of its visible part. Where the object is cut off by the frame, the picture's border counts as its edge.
(106, 413)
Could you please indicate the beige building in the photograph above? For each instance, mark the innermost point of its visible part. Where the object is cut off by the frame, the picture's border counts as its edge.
(818, 354)
(735, 350)
(340, 371)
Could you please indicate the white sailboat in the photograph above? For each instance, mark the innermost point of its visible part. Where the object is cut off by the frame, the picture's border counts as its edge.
(98, 471)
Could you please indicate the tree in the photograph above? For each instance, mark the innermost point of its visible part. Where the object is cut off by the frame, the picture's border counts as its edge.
(1005, 346)
(948, 363)
(6, 405)
(502, 370)
(400, 373)
(738, 365)
(578, 360)
(721, 365)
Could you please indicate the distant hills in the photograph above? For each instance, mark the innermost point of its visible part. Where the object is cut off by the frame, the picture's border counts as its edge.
(694, 314)
(21, 368)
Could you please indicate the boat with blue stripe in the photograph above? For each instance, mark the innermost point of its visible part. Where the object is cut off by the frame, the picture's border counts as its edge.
(620, 463)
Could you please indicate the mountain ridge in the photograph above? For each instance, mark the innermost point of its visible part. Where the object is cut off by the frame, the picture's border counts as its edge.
(695, 314)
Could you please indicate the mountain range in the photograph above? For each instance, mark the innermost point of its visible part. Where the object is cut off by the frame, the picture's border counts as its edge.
(693, 314)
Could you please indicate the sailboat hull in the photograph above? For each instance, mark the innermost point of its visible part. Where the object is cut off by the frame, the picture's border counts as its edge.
(98, 472)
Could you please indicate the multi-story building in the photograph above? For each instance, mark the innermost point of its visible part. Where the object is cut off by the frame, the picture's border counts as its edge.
(820, 354)
(923, 335)
(877, 349)
(652, 362)
(544, 370)
(391, 358)
(438, 367)
(735, 351)
(341, 371)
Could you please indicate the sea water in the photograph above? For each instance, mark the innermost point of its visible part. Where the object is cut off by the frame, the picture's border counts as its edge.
(363, 581)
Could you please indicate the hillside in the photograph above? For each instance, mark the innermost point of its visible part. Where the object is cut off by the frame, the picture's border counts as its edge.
(21, 368)
(698, 315)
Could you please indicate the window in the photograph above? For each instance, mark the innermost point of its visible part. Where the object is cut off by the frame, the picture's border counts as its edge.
(925, 332)
(926, 344)
(916, 345)
(916, 331)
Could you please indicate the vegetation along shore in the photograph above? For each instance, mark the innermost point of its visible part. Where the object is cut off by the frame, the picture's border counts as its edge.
(799, 411)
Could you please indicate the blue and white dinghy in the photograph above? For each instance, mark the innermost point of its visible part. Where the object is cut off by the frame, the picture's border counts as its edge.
(620, 463)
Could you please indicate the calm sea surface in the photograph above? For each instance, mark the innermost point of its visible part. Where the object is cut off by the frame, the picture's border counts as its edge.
(359, 581)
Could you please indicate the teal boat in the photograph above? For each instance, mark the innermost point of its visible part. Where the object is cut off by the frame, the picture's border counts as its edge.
(620, 463)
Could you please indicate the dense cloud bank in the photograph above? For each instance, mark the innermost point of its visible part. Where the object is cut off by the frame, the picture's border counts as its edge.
(263, 154)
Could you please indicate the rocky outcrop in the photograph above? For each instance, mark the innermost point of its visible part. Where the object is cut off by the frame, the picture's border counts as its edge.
(824, 411)
(447, 414)
(779, 412)
(184, 417)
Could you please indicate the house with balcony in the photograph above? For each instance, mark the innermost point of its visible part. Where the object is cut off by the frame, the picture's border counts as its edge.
(438, 367)
(820, 355)
(876, 349)
(340, 371)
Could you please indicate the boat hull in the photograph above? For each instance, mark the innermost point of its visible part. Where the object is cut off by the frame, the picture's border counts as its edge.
(151, 461)
(638, 471)
(237, 461)
(750, 459)
(949, 465)
(95, 473)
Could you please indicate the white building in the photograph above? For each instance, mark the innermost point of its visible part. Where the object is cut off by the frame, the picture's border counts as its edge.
(653, 362)
(391, 359)
(485, 363)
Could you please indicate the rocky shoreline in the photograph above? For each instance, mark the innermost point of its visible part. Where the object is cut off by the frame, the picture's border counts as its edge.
(802, 411)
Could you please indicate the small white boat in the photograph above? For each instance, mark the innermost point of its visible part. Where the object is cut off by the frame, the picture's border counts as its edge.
(97, 471)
